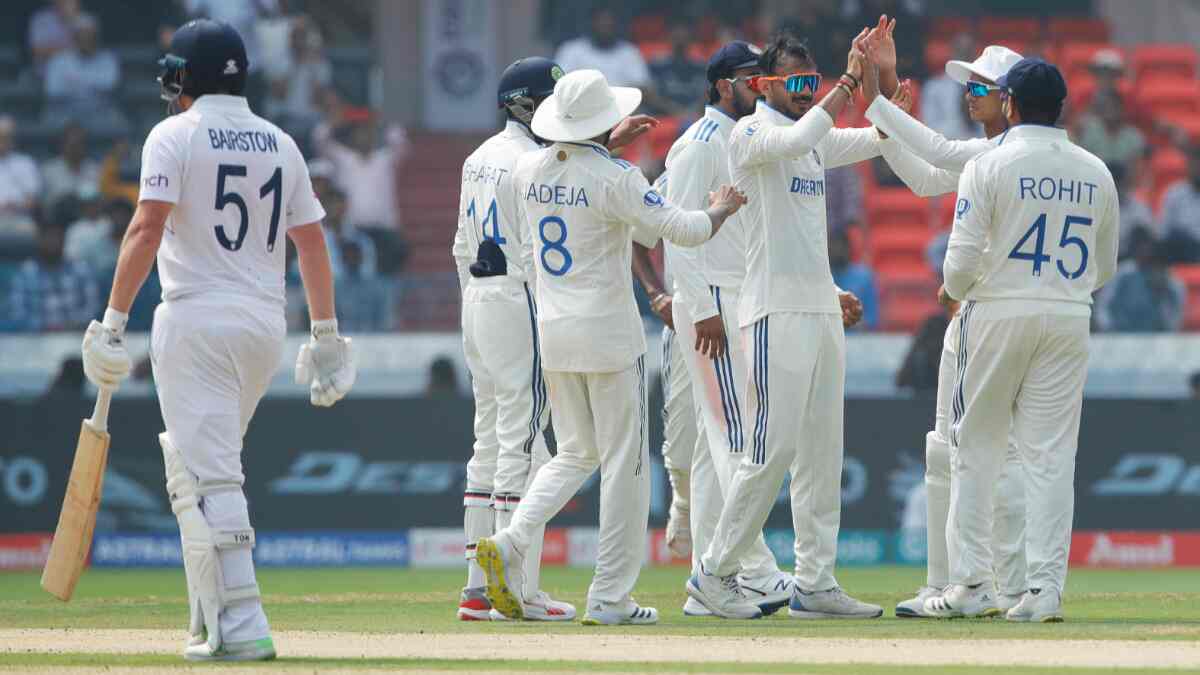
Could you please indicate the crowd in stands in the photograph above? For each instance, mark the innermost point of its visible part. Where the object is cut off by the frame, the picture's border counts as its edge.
(62, 217)
(1141, 118)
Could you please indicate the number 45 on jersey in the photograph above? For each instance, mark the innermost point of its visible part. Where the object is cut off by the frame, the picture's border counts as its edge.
(1038, 257)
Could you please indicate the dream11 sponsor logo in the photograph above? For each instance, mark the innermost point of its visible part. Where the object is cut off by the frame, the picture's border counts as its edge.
(1149, 475)
(335, 472)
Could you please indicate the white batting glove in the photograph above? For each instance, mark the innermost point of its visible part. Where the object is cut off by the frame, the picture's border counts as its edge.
(105, 360)
(326, 364)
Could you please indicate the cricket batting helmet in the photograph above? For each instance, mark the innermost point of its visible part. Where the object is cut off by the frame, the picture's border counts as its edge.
(206, 57)
(525, 83)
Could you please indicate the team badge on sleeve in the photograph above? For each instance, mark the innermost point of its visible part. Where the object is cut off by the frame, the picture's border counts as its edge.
(653, 199)
(961, 208)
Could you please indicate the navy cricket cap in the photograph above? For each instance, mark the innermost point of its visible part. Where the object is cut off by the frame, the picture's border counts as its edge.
(1032, 80)
(730, 57)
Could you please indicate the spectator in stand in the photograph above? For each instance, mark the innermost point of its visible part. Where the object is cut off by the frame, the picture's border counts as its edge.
(51, 293)
(51, 30)
(1181, 213)
(679, 80)
(365, 171)
(81, 83)
(854, 277)
(1135, 213)
(443, 379)
(943, 106)
(1108, 71)
(910, 53)
(241, 14)
(95, 242)
(72, 172)
(351, 253)
(299, 81)
(843, 198)
(1107, 133)
(1143, 296)
(1194, 385)
(920, 370)
(605, 50)
(102, 258)
(20, 184)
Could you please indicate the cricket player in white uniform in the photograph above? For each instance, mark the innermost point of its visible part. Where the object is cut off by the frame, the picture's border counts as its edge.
(791, 315)
(926, 179)
(583, 206)
(1035, 235)
(708, 281)
(218, 334)
(493, 253)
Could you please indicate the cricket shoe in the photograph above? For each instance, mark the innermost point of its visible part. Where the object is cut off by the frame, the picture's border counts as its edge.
(963, 601)
(1037, 606)
(542, 608)
(722, 596)
(198, 649)
(831, 604)
(770, 592)
(914, 608)
(693, 608)
(1005, 602)
(630, 614)
(679, 532)
(473, 605)
(503, 566)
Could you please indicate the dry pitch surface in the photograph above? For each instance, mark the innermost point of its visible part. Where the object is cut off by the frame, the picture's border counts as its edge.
(361, 620)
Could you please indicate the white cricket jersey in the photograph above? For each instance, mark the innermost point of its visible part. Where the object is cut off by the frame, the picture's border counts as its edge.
(697, 164)
(1036, 221)
(582, 207)
(926, 143)
(238, 184)
(780, 166)
(487, 204)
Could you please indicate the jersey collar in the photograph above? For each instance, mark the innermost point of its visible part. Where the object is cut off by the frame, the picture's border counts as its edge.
(764, 110)
(221, 102)
(1035, 131)
(515, 128)
(724, 122)
(590, 144)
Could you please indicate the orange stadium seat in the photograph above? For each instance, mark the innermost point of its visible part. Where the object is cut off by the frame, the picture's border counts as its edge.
(1169, 98)
(1190, 276)
(944, 28)
(907, 297)
(648, 28)
(1165, 60)
(1167, 166)
(1066, 29)
(1075, 57)
(999, 29)
(893, 247)
(654, 50)
(897, 208)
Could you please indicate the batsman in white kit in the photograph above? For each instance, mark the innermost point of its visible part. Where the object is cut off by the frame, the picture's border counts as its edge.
(582, 206)
(493, 253)
(218, 335)
(708, 282)
(1035, 235)
(931, 165)
(791, 314)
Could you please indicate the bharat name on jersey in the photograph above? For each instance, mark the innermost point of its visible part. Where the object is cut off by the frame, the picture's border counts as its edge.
(1036, 219)
(780, 166)
(238, 183)
(582, 207)
(487, 207)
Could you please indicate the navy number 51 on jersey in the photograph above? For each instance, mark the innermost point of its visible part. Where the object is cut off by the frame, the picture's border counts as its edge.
(273, 186)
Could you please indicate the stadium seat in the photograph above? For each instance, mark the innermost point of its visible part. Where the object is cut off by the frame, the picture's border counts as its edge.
(655, 49)
(1170, 98)
(703, 51)
(1001, 29)
(907, 297)
(648, 28)
(893, 247)
(1177, 60)
(1075, 57)
(897, 208)
(1189, 275)
(1066, 29)
(1168, 166)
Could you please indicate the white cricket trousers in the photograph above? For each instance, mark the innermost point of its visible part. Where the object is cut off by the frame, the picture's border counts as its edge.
(511, 410)
(1023, 373)
(600, 422)
(213, 359)
(793, 408)
(679, 411)
(1008, 525)
(717, 388)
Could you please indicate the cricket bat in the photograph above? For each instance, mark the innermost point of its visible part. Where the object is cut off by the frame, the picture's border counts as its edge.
(73, 537)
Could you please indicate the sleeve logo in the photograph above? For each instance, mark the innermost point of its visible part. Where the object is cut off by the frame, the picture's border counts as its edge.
(652, 199)
(961, 208)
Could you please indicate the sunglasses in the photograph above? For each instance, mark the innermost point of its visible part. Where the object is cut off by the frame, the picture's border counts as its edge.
(795, 83)
(979, 89)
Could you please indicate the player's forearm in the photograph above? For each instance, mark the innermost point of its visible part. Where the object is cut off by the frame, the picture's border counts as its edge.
(961, 269)
(317, 275)
(924, 142)
(138, 249)
(922, 178)
(643, 270)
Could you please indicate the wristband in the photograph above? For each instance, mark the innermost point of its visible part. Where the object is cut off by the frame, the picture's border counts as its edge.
(856, 81)
(324, 328)
(843, 87)
(848, 81)
(115, 321)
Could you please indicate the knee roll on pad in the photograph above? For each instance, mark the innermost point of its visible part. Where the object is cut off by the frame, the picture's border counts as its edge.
(207, 592)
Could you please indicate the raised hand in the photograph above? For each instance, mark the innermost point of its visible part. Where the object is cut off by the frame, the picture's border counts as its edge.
(856, 60)
(727, 198)
(629, 129)
(904, 96)
(883, 44)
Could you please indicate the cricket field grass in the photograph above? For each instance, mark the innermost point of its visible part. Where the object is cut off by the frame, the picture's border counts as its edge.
(371, 619)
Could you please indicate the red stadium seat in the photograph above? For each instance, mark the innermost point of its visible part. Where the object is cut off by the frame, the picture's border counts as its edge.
(898, 208)
(1066, 29)
(706, 29)
(1190, 276)
(1165, 61)
(1075, 57)
(1167, 166)
(648, 28)
(654, 50)
(703, 51)
(907, 297)
(999, 29)
(944, 28)
(898, 246)
(1169, 98)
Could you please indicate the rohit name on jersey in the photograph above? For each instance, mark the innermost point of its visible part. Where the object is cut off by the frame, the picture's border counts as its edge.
(562, 195)
(1046, 188)
(243, 141)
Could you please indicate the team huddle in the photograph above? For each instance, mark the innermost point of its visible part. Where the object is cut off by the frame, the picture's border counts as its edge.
(754, 363)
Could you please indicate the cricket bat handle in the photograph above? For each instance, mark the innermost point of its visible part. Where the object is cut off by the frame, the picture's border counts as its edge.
(99, 420)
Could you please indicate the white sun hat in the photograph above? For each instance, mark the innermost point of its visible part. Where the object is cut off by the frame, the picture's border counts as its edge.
(991, 64)
(583, 106)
